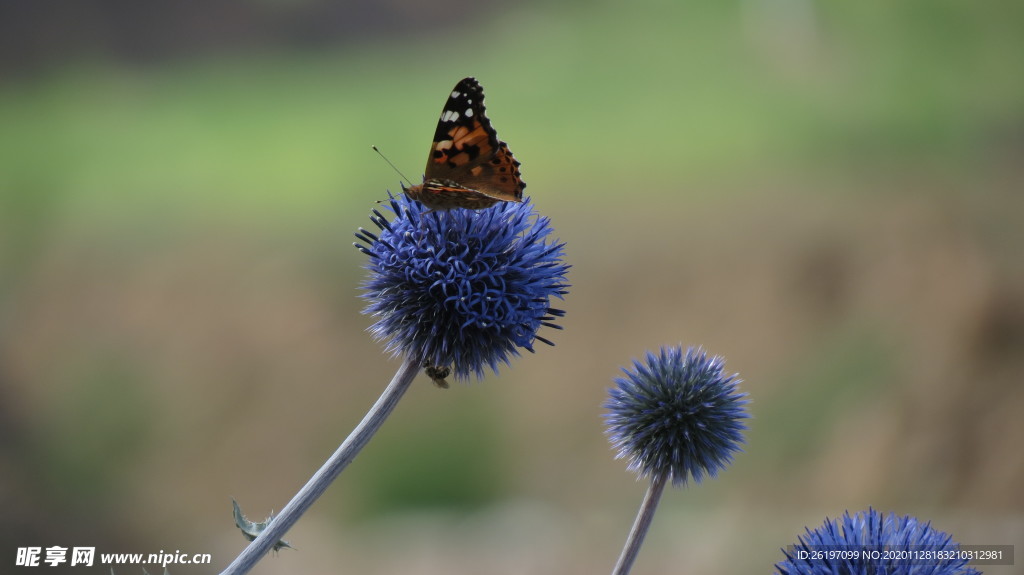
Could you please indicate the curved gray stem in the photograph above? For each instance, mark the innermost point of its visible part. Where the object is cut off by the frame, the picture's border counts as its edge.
(641, 525)
(330, 470)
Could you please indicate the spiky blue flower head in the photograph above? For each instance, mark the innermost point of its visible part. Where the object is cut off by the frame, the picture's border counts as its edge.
(676, 415)
(462, 288)
(869, 543)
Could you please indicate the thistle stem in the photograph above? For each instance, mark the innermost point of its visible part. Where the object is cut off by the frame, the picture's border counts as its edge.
(330, 470)
(641, 525)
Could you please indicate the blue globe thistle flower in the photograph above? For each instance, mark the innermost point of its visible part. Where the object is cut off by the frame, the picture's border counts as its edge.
(677, 415)
(869, 543)
(461, 288)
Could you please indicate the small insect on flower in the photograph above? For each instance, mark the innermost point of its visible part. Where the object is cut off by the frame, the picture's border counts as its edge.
(461, 290)
(437, 374)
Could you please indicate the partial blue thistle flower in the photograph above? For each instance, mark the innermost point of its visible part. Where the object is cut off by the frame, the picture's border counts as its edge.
(867, 532)
(461, 288)
(677, 416)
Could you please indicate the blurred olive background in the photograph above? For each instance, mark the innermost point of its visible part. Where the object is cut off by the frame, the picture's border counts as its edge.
(828, 195)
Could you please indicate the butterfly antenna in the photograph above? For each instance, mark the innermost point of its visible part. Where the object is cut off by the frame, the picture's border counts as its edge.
(397, 171)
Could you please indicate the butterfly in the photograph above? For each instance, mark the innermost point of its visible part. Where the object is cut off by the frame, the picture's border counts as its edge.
(468, 166)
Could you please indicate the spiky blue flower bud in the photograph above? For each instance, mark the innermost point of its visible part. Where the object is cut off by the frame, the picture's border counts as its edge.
(869, 543)
(677, 415)
(464, 289)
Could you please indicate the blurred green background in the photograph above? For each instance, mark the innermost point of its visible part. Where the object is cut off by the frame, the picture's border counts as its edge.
(827, 194)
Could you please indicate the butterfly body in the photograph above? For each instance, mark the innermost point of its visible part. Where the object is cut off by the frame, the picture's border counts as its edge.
(468, 166)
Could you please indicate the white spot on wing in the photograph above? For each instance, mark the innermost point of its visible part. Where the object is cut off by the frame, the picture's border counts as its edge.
(449, 116)
(469, 113)
(456, 93)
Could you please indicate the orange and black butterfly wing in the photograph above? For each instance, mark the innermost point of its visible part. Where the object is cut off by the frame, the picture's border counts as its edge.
(466, 155)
